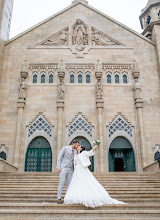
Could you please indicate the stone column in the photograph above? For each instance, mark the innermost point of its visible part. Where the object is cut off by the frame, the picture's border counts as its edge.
(60, 106)
(20, 104)
(100, 106)
(141, 152)
(60, 109)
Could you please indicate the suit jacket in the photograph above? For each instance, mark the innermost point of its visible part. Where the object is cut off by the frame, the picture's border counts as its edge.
(84, 158)
(65, 158)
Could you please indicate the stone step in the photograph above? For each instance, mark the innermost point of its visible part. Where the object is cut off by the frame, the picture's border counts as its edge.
(53, 192)
(42, 206)
(42, 188)
(84, 214)
(54, 200)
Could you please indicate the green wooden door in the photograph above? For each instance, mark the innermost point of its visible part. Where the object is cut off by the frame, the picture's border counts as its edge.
(39, 156)
(84, 142)
(121, 149)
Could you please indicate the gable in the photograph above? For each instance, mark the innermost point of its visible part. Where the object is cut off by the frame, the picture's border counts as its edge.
(79, 38)
(90, 8)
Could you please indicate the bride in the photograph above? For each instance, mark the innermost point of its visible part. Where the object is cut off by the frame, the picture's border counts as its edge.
(84, 188)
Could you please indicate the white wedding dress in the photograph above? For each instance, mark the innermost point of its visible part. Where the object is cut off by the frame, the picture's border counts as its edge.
(85, 189)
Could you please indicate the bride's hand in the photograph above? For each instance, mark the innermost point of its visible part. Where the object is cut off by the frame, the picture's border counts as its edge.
(95, 147)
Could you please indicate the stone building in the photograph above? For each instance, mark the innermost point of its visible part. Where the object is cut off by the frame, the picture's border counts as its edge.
(81, 74)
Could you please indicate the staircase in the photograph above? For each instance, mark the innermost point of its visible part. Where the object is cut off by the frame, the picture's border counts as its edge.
(34, 196)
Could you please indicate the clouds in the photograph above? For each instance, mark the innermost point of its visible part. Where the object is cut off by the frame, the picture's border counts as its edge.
(28, 13)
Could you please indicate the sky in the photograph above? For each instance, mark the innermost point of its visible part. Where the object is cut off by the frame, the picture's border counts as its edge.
(27, 13)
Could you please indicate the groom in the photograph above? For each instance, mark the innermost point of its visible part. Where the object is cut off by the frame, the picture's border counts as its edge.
(65, 166)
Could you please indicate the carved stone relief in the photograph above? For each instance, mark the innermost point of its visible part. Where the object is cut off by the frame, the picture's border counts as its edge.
(79, 38)
(101, 39)
(58, 39)
(80, 35)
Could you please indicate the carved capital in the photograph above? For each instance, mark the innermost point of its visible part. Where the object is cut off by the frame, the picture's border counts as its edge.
(100, 104)
(60, 104)
(20, 103)
(139, 103)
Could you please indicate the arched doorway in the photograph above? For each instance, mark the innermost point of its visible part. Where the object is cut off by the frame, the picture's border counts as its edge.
(84, 142)
(39, 156)
(121, 156)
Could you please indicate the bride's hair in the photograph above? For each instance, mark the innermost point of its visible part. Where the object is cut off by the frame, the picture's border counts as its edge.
(83, 148)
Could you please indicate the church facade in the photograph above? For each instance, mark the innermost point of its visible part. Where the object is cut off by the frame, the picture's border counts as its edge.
(81, 74)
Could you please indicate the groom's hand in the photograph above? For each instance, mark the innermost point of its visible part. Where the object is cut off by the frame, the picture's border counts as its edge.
(59, 170)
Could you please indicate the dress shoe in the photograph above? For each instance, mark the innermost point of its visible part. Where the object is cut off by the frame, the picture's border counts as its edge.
(59, 201)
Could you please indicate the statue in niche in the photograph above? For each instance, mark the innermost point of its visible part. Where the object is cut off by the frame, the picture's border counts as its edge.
(80, 37)
(99, 90)
(22, 89)
(137, 89)
(101, 40)
(98, 67)
(61, 89)
(55, 41)
(61, 67)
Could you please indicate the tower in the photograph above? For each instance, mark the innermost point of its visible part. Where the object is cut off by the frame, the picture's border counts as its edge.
(150, 23)
(6, 8)
(150, 17)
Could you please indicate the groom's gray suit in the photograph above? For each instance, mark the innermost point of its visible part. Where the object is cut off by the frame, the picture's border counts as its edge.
(65, 163)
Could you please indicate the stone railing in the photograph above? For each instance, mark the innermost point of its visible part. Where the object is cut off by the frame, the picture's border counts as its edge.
(7, 167)
(153, 167)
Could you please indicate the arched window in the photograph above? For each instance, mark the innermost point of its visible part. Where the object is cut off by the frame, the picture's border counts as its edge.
(51, 78)
(109, 79)
(80, 78)
(149, 19)
(3, 155)
(71, 78)
(88, 78)
(117, 78)
(43, 78)
(159, 14)
(125, 78)
(35, 78)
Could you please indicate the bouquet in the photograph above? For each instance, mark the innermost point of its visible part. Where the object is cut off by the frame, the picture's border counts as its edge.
(96, 142)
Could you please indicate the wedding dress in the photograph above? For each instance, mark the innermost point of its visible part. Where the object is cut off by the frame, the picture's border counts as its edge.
(84, 188)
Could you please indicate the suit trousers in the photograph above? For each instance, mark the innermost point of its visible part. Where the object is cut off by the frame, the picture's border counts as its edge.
(65, 174)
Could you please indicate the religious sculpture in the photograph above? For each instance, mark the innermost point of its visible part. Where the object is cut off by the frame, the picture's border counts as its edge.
(57, 41)
(99, 90)
(80, 36)
(61, 89)
(137, 89)
(61, 67)
(22, 89)
(98, 67)
(101, 39)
